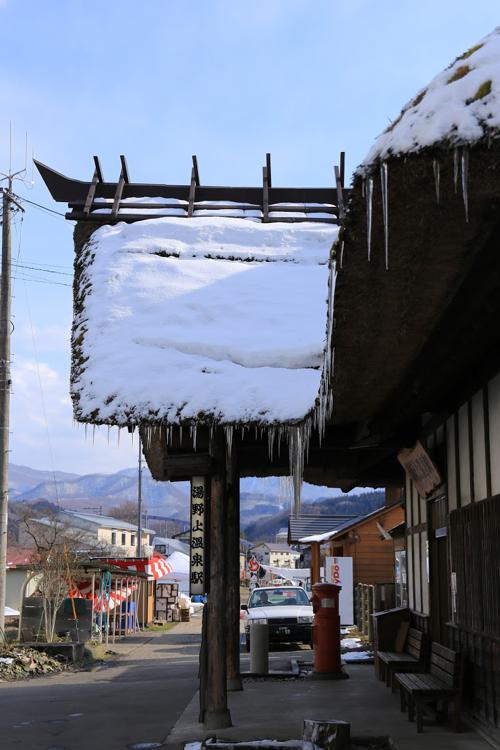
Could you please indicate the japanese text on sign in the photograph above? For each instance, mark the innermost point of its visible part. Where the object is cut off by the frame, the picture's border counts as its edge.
(197, 546)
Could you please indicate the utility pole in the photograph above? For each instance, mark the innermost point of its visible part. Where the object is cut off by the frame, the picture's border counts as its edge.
(5, 382)
(139, 503)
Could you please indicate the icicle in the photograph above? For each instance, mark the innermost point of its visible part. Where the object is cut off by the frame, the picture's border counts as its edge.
(109, 429)
(180, 435)
(437, 177)
(369, 212)
(195, 431)
(341, 253)
(228, 429)
(93, 434)
(455, 169)
(119, 431)
(465, 181)
(363, 187)
(385, 210)
(85, 432)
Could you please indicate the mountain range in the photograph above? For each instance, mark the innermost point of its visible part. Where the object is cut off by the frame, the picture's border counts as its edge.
(260, 498)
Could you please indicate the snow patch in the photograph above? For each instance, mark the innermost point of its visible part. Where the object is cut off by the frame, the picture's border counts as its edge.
(459, 107)
(219, 319)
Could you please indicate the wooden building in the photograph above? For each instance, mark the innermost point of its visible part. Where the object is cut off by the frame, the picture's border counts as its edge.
(365, 540)
(419, 293)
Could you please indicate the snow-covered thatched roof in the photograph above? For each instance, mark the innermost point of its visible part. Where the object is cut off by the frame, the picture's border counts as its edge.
(423, 212)
(209, 319)
(459, 107)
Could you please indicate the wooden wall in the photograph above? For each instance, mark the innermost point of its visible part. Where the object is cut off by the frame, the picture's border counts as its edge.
(453, 548)
(373, 557)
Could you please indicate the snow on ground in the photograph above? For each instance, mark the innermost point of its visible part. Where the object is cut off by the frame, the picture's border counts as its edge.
(218, 317)
(364, 656)
(460, 106)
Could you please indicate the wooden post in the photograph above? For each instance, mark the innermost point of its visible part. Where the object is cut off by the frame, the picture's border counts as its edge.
(233, 570)
(217, 714)
(315, 564)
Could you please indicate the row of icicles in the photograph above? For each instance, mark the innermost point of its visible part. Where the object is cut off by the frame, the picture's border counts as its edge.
(460, 165)
(297, 437)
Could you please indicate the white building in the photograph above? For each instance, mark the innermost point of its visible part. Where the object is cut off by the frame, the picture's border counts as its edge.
(277, 555)
(100, 533)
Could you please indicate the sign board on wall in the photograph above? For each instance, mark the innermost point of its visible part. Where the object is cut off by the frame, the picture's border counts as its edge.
(421, 469)
(339, 571)
(197, 582)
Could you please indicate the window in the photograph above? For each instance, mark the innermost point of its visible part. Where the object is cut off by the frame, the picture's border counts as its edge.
(113, 537)
(124, 538)
(132, 540)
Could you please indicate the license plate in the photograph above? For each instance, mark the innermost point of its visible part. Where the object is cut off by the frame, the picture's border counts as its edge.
(283, 631)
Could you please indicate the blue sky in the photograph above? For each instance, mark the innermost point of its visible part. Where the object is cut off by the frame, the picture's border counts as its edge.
(225, 80)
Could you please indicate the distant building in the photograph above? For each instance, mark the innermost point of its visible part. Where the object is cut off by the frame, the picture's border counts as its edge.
(275, 554)
(102, 533)
(19, 578)
(166, 545)
(282, 536)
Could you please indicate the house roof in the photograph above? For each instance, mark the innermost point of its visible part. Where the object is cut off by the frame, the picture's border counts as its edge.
(304, 525)
(430, 189)
(459, 107)
(348, 525)
(205, 313)
(19, 556)
(275, 547)
(107, 522)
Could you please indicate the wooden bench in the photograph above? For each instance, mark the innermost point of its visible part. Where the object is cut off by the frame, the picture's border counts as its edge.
(412, 659)
(443, 683)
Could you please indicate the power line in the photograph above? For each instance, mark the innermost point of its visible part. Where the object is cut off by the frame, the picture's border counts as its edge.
(41, 268)
(42, 281)
(39, 205)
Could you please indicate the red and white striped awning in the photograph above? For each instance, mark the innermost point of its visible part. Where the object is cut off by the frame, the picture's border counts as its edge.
(155, 567)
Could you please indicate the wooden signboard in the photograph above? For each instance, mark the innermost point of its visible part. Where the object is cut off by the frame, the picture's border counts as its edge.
(421, 469)
(197, 577)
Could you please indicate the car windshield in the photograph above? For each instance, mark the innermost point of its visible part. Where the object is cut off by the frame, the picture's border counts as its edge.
(278, 598)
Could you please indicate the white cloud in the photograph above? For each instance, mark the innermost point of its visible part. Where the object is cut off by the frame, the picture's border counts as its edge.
(43, 433)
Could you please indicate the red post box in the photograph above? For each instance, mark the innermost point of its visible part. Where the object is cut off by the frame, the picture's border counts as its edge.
(326, 629)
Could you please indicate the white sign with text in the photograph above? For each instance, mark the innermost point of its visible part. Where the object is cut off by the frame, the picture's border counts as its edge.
(339, 571)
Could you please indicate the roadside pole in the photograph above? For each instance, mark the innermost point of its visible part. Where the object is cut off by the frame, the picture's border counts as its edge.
(5, 382)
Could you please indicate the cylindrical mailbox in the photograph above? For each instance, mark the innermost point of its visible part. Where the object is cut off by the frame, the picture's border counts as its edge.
(326, 628)
(259, 648)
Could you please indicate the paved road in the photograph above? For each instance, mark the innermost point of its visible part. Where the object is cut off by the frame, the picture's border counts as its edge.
(137, 700)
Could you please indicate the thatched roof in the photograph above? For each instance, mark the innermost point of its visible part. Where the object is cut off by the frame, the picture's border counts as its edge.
(459, 107)
(209, 320)
(412, 304)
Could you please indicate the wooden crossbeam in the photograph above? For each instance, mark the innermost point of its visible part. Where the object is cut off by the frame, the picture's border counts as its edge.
(340, 197)
(196, 171)
(98, 218)
(97, 177)
(192, 192)
(268, 167)
(265, 195)
(119, 188)
(342, 168)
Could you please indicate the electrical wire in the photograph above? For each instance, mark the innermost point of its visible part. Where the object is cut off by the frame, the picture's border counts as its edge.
(41, 268)
(39, 205)
(43, 281)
